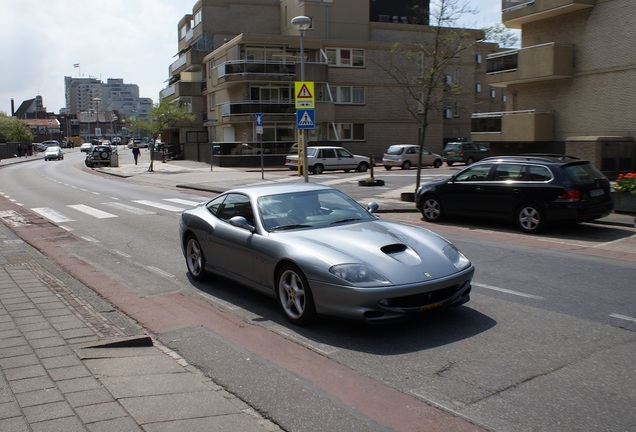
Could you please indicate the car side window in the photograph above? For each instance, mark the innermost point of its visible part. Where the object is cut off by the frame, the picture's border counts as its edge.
(482, 148)
(474, 173)
(505, 172)
(235, 205)
(343, 153)
(538, 173)
(327, 153)
(411, 150)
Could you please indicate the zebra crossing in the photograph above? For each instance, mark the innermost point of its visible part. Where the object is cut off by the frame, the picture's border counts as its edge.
(71, 213)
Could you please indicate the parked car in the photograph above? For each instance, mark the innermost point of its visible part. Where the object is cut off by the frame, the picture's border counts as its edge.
(117, 140)
(405, 156)
(464, 152)
(307, 246)
(86, 147)
(53, 152)
(138, 142)
(99, 155)
(324, 158)
(533, 191)
(49, 143)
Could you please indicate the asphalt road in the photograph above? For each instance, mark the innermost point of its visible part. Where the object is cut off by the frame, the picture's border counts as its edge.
(546, 343)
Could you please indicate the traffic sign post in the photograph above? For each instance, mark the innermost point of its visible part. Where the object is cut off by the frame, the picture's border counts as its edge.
(305, 116)
(259, 132)
(306, 119)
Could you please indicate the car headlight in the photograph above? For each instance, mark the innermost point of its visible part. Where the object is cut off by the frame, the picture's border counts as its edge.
(358, 274)
(456, 257)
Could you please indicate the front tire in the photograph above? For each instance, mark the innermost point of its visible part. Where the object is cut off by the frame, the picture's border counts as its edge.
(431, 209)
(388, 168)
(437, 163)
(294, 295)
(529, 218)
(363, 167)
(195, 260)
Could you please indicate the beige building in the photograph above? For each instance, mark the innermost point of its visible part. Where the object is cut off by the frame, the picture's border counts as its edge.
(239, 58)
(571, 87)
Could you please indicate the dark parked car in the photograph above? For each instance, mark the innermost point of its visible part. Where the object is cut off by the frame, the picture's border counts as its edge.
(531, 190)
(99, 155)
(464, 152)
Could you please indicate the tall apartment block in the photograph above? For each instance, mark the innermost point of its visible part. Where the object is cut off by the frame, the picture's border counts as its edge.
(237, 58)
(571, 86)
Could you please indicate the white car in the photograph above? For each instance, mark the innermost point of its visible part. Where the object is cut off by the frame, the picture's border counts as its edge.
(53, 152)
(86, 147)
(405, 157)
(324, 158)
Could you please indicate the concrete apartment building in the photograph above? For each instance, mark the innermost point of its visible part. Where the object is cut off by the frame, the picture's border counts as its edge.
(571, 87)
(238, 58)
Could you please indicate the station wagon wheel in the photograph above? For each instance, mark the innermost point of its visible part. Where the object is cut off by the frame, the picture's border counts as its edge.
(195, 260)
(406, 165)
(294, 295)
(318, 169)
(529, 218)
(363, 167)
(431, 209)
(470, 161)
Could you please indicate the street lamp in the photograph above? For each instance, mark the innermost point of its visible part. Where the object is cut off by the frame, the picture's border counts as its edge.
(97, 101)
(302, 23)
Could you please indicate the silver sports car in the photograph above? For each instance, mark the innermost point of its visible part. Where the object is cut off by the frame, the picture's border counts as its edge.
(318, 252)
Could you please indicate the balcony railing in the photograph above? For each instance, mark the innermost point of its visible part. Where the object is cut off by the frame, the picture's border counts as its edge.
(513, 126)
(168, 91)
(515, 13)
(535, 63)
(253, 107)
(250, 67)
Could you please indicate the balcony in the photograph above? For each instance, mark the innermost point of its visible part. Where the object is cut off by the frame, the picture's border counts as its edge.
(535, 63)
(276, 111)
(513, 126)
(187, 59)
(249, 69)
(515, 13)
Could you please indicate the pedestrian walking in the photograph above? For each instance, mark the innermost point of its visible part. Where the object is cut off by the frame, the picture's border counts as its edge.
(135, 152)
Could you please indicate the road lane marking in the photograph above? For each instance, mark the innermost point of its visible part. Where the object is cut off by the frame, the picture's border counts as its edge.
(90, 239)
(91, 211)
(52, 215)
(507, 291)
(159, 205)
(183, 201)
(129, 209)
(160, 272)
(622, 317)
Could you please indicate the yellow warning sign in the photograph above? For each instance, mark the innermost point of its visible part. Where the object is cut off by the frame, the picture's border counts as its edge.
(304, 91)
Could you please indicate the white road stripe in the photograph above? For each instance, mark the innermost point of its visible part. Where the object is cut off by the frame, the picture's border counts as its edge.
(91, 211)
(159, 205)
(507, 291)
(183, 201)
(623, 317)
(160, 272)
(129, 209)
(52, 215)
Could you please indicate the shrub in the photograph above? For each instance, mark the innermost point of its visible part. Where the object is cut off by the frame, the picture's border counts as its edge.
(626, 183)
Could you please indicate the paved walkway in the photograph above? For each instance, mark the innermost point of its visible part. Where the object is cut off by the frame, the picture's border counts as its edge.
(64, 366)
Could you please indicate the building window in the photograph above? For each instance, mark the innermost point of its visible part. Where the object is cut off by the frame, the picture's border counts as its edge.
(493, 93)
(349, 95)
(448, 79)
(347, 132)
(448, 113)
(478, 58)
(345, 57)
(197, 17)
(478, 88)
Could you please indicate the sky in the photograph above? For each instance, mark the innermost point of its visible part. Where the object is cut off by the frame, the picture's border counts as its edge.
(135, 40)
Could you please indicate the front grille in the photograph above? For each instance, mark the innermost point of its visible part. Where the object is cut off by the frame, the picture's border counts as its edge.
(423, 299)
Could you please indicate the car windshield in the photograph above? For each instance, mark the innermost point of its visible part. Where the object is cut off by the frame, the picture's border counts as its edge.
(395, 150)
(313, 209)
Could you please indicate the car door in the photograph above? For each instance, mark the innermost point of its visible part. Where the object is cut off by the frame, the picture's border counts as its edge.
(345, 159)
(465, 193)
(228, 248)
(428, 158)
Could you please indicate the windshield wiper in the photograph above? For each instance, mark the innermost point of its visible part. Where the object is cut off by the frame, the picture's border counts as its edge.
(287, 227)
(344, 220)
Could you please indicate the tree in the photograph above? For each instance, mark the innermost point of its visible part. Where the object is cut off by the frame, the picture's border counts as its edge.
(419, 68)
(163, 115)
(14, 130)
(501, 35)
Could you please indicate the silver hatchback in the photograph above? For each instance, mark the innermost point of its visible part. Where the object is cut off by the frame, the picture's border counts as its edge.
(405, 156)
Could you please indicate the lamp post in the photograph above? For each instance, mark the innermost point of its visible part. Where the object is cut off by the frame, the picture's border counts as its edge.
(302, 23)
(97, 101)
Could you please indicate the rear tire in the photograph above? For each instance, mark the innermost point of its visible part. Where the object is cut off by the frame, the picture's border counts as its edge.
(318, 169)
(470, 161)
(195, 260)
(529, 218)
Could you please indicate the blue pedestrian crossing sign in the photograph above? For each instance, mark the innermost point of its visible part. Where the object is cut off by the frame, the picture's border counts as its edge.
(259, 123)
(306, 119)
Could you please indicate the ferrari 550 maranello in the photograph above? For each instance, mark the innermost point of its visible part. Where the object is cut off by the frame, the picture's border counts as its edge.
(318, 252)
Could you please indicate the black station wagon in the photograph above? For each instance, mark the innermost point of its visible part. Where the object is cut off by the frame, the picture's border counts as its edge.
(531, 190)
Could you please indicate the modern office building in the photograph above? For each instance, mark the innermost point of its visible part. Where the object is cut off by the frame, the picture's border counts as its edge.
(571, 86)
(236, 59)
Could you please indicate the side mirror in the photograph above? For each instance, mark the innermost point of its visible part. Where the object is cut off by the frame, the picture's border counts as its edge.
(373, 207)
(241, 222)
